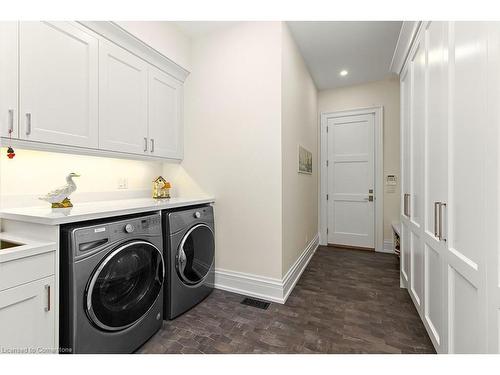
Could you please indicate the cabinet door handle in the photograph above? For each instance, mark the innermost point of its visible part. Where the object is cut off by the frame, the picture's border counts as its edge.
(152, 145)
(436, 219)
(145, 144)
(11, 120)
(28, 123)
(441, 205)
(47, 288)
(404, 204)
(408, 205)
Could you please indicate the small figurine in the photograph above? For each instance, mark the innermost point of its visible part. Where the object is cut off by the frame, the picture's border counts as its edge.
(59, 198)
(161, 188)
(10, 152)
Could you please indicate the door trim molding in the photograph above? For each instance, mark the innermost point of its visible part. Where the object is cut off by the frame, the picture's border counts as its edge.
(378, 112)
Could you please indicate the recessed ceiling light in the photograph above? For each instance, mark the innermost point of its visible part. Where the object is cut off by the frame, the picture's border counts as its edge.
(344, 72)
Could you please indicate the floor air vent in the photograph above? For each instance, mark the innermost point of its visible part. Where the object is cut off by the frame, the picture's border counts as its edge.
(255, 303)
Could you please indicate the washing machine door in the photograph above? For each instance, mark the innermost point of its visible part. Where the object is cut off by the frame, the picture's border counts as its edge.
(125, 285)
(195, 254)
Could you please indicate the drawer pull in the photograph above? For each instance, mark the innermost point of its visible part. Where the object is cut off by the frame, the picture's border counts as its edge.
(47, 288)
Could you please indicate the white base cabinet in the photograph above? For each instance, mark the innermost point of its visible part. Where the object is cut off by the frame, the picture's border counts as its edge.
(27, 319)
(449, 137)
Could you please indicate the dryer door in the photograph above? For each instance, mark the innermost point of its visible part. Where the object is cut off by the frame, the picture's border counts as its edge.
(125, 285)
(195, 254)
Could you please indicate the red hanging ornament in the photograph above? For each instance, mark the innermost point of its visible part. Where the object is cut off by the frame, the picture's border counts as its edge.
(10, 153)
(10, 150)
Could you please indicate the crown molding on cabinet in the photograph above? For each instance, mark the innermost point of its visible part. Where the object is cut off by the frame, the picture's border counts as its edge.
(407, 35)
(124, 39)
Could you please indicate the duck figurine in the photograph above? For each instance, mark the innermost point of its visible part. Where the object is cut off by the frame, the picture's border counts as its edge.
(59, 198)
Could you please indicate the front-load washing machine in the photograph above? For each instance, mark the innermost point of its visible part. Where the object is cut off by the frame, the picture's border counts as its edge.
(111, 285)
(190, 250)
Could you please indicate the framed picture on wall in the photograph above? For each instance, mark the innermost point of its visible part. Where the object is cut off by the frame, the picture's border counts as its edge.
(305, 161)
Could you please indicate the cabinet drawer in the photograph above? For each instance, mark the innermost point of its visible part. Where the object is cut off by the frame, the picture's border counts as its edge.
(23, 270)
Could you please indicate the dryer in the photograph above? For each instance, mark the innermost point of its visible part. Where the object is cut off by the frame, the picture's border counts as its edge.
(111, 284)
(189, 243)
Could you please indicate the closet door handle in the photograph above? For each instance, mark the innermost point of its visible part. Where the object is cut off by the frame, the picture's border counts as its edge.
(145, 144)
(28, 123)
(152, 145)
(407, 205)
(47, 288)
(404, 204)
(441, 205)
(436, 219)
(11, 120)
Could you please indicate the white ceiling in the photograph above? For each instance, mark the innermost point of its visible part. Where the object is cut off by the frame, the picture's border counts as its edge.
(197, 28)
(363, 48)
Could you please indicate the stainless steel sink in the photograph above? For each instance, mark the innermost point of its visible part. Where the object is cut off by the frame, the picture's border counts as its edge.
(7, 244)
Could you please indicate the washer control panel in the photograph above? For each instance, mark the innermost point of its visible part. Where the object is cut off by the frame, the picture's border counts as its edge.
(129, 228)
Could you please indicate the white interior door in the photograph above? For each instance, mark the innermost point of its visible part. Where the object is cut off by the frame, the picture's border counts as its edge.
(58, 82)
(351, 181)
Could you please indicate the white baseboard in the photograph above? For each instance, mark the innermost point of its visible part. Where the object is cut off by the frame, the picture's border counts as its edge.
(266, 288)
(293, 275)
(388, 247)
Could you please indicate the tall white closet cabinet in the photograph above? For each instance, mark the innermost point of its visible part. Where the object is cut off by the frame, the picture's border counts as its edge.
(450, 120)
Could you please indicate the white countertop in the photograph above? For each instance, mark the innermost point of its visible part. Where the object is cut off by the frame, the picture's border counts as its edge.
(28, 247)
(96, 210)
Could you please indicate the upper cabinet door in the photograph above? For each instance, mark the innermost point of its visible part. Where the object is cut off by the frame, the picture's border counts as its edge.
(165, 115)
(58, 83)
(123, 100)
(8, 79)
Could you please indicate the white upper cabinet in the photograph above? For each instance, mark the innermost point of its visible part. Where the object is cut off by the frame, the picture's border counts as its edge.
(123, 100)
(165, 115)
(8, 79)
(89, 87)
(58, 84)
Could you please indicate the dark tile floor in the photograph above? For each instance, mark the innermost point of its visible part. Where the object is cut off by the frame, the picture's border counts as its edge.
(346, 301)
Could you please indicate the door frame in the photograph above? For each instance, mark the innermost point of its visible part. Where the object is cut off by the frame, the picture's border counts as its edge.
(378, 112)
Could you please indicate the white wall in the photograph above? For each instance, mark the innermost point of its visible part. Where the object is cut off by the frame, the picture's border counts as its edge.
(385, 93)
(163, 36)
(232, 142)
(34, 173)
(299, 126)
